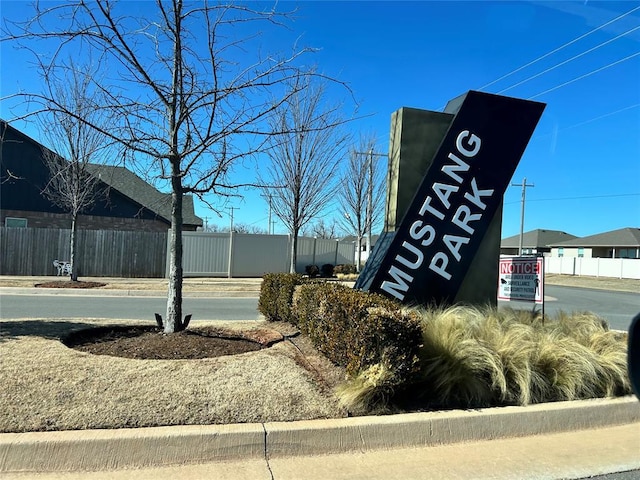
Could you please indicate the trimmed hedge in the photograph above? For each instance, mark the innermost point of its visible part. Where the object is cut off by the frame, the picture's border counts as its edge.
(363, 332)
(357, 330)
(327, 269)
(276, 293)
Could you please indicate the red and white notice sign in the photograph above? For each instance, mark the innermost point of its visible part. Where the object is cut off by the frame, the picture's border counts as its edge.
(521, 279)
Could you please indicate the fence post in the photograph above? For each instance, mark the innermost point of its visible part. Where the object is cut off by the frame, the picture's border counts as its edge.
(229, 269)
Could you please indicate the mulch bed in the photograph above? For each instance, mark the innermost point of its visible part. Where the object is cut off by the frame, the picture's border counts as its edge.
(147, 342)
(70, 284)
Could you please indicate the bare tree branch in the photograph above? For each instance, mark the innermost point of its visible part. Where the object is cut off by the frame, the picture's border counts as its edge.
(304, 157)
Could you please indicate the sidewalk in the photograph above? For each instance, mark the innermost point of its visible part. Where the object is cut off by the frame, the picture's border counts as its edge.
(558, 440)
(570, 455)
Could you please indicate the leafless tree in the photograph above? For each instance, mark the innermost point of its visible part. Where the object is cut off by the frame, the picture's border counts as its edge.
(237, 228)
(355, 189)
(188, 83)
(322, 229)
(304, 159)
(72, 186)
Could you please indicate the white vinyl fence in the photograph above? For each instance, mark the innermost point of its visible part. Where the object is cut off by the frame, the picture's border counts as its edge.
(249, 255)
(594, 267)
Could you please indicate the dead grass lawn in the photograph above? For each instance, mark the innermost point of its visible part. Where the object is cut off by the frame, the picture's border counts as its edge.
(47, 386)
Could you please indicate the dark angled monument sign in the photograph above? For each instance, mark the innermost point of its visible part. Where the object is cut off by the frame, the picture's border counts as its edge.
(450, 232)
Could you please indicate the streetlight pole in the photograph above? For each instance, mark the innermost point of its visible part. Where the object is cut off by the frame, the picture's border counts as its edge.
(524, 186)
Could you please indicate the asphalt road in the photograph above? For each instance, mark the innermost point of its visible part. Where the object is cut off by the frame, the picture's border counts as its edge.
(135, 308)
(617, 307)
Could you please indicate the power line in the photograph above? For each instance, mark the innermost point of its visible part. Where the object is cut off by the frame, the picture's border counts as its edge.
(585, 75)
(586, 197)
(560, 48)
(604, 115)
(569, 60)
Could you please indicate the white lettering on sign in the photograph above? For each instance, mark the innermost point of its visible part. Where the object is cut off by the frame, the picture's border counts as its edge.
(439, 204)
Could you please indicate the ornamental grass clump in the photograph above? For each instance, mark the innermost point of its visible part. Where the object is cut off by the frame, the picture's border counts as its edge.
(474, 357)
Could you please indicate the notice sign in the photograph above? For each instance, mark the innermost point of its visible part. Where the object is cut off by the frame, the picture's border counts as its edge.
(521, 279)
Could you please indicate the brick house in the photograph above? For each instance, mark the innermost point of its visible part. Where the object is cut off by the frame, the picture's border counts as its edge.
(130, 203)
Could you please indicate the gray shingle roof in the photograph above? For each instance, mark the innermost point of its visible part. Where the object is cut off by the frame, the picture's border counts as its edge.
(623, 237)
(536, 239)
(141, 192)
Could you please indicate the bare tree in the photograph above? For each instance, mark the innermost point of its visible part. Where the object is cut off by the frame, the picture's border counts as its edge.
(72, 185)
(361, 188)
(188, 84)
(305, 158)
(322, 229)
(237, 228)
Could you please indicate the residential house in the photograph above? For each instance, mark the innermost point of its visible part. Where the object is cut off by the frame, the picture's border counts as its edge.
(621, 243)
(130, 203)
(534, 242)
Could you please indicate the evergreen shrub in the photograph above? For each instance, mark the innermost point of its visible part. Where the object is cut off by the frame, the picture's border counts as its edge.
(327, 270)
(358, 330)
(276, 293)
(312, 270)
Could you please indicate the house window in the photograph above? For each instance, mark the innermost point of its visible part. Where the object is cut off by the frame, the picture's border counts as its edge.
(580, 252)
(561, 251)
(14, 222)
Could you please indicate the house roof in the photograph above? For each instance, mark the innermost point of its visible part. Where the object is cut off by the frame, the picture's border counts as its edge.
(353, 238)
(623, 237)
(536, 239)
(141, 192)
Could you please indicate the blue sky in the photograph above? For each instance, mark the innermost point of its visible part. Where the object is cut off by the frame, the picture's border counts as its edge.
(584, 158)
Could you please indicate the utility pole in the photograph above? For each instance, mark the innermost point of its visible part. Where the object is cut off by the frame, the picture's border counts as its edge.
(369, 213)
(231, 218)
(524, 186)
(270, 197)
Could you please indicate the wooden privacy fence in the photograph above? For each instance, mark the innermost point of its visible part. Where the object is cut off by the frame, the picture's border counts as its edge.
(111, 253)
(99, 253)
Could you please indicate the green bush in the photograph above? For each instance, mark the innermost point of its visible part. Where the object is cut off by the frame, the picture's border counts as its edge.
(312, 270)
(358, 330)
(276, 293)
(327, 270)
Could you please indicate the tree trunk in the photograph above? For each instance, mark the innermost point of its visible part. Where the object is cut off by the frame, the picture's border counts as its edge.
(173, 321)
(72, 248)
(358, 253)
(294, 251)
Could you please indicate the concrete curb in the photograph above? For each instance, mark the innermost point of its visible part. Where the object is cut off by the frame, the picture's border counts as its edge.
(121, 293)
(161, 446)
